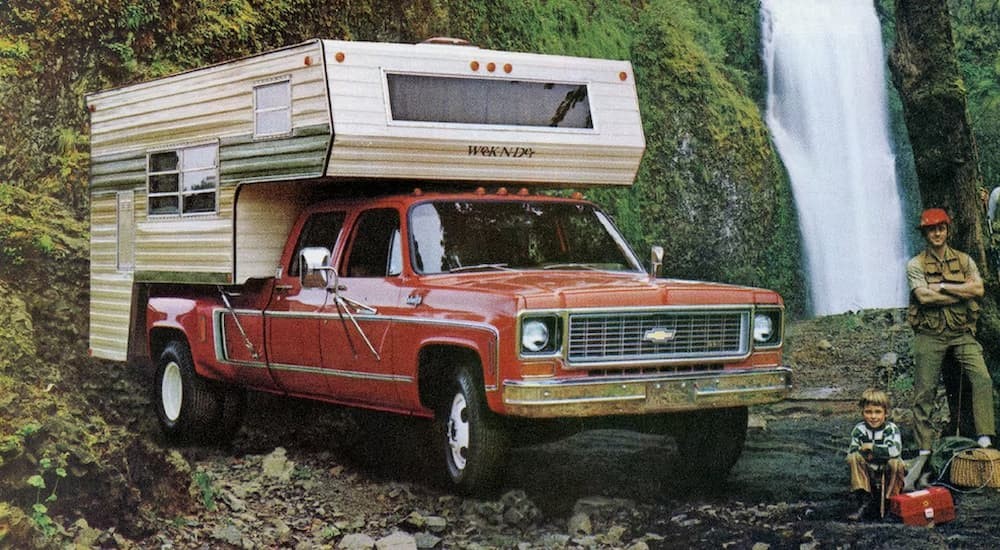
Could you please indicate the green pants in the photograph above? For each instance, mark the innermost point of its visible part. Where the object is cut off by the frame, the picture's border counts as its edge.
(928, 353)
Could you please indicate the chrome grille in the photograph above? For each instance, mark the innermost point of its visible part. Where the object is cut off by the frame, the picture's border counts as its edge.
(632, 336)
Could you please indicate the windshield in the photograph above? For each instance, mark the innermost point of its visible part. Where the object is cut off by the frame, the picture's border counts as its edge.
(454, 236)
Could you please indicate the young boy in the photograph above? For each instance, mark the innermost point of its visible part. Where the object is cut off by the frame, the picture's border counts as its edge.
(875, 440)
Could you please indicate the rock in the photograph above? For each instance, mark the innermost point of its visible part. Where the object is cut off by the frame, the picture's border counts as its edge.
(356, 541)
(228, 534)
(555, 541)
(426, 540)
(602, 506)
(579, 524)
(235, 503)
(414, 521)
(760, 546)
(17, 340)
(518, 510)
(614, 535)
(756, 422)
(638, 545)
(86, 536)
(436, 524)
(276, 465)
(888, 360)
(824, 345)
(397, 541)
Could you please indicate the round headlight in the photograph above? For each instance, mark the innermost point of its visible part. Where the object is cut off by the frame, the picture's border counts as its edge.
(534, 336)
(763, 327)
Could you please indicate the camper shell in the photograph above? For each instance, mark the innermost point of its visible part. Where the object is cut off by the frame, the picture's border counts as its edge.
(197, 177)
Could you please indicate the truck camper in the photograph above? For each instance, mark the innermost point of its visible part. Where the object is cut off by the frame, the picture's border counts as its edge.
(363, 224)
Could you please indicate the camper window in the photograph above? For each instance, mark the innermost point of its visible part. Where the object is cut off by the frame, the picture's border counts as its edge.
(424, 98)
(184, 181)
(272, 109)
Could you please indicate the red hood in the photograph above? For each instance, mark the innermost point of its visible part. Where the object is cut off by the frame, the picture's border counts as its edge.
(553, 290)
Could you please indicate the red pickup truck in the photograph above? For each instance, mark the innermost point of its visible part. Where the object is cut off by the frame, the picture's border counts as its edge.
(482, 311)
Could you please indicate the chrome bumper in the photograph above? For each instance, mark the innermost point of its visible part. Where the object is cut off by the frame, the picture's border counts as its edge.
(645, 394)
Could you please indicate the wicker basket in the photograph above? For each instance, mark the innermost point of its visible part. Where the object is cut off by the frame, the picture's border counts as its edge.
(976, 468)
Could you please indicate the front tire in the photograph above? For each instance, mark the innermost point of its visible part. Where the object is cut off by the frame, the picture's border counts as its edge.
(710, 442)
(188, 407)
(473, 439)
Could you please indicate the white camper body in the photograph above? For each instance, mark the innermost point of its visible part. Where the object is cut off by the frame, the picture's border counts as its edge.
(196, 178)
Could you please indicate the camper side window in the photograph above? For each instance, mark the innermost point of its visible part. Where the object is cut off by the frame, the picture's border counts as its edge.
(184, 181)
(272, 109)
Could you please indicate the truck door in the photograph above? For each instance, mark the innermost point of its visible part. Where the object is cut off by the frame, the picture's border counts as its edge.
(293, 319)
(356, 332)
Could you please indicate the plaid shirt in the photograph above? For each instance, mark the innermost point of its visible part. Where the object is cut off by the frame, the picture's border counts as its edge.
(887, 441)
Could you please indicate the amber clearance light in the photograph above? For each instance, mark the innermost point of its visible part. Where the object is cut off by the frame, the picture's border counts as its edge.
(544, 368)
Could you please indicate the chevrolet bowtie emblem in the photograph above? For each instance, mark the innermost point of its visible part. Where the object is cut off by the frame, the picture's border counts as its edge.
(658, 335)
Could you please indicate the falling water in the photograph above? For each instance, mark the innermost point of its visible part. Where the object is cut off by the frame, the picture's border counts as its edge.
(827, 113)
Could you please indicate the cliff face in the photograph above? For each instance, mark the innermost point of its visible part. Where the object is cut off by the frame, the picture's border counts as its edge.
(710, 189)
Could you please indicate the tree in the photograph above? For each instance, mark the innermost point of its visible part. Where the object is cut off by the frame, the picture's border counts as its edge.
(925, 71)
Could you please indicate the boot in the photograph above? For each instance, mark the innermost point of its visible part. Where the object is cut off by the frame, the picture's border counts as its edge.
(861, 500)
(914, 471)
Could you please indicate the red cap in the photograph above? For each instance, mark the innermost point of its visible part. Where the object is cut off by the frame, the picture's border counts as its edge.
(932, 217)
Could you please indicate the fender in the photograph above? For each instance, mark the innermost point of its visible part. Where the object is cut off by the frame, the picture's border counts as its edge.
(188, 316)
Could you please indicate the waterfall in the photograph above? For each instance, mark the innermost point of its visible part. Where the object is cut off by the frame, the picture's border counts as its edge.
(827, 114)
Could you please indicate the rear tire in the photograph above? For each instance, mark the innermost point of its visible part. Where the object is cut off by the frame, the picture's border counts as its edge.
(188, 407)
(473, 440)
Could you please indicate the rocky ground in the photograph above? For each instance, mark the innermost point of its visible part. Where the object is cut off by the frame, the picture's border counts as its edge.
(310, 476)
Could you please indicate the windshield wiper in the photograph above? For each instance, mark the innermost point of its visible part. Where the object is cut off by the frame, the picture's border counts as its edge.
(479, 267)
(589, 267)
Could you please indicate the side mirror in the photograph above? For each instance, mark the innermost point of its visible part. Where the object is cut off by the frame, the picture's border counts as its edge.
(655, 262)
(314, 268)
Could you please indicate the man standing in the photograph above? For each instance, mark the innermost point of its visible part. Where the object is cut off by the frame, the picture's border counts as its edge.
(944, 288)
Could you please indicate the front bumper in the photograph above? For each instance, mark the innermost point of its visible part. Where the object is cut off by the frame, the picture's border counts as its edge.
(579, 397)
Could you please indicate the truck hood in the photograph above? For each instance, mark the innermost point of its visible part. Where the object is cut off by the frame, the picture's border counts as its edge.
(588, 289)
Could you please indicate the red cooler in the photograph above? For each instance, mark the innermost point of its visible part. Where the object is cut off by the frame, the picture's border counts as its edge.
(925, 507)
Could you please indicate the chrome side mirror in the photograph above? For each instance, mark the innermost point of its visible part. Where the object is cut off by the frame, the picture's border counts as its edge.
(655, 262)
(315, 270)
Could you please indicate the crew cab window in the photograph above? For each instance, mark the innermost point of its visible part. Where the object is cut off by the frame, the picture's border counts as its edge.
(451, 236)
(375, 249)
(321, 229)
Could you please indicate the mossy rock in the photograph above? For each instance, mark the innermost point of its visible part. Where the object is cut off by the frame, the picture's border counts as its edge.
(16, 330)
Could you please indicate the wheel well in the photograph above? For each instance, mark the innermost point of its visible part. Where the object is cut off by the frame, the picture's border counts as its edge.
(438, 365)
(159, 338)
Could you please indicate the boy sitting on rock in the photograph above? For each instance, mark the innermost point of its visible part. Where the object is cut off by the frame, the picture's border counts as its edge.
(874, 441)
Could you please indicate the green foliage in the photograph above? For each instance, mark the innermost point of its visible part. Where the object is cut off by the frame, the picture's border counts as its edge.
(13, 444)
(977, 38)
(36, 229)
(39, 511)
(203, 482)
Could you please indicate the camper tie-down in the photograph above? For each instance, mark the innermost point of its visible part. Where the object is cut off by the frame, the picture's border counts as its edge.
(360, 224)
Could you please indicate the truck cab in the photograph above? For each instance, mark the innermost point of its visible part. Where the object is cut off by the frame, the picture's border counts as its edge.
(480, 311)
